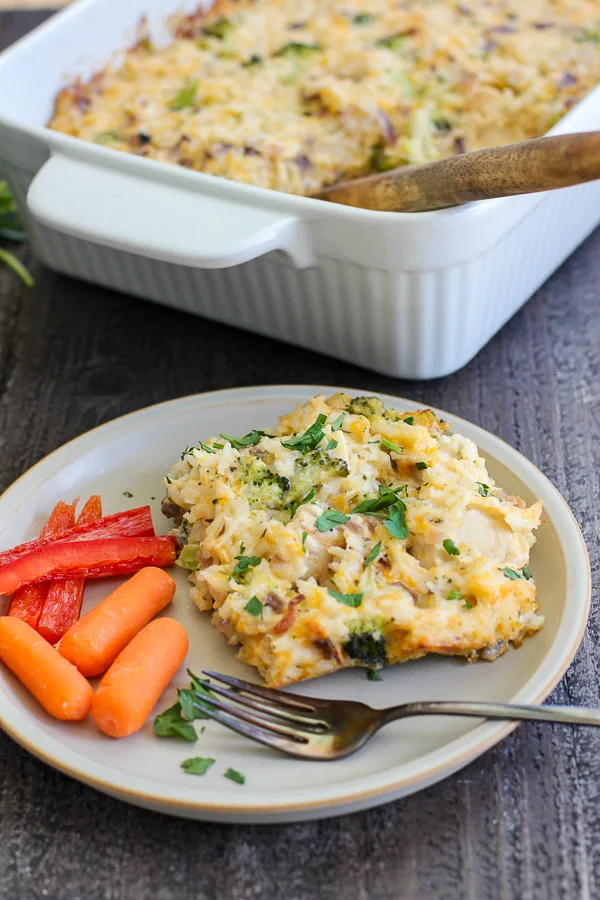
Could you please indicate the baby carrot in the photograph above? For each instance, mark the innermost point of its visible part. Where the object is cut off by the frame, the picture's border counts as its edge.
(95, 641)
(132, 686)
(54, 682)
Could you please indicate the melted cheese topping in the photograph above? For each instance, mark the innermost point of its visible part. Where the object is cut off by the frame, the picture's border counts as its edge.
(295, 94)
(304, 584)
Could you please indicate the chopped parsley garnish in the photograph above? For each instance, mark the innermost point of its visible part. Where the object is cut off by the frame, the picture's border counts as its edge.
(233, 775)
(393, 42)
(200, 693)
(387, 497)
(254, 607)
(254, 60)
(332, 445)
(308, 499)
(206, 448)
(525, 574)
(311, 438)
(373, 675)
(187, 452)
(421, 466)
(186, 96)
(363, 19)
(127, 494)
(353, 600)
(243, 564)
(450, 547)
(335, 426)
(249, 440)
(171, 723)
(483, 488)
(167, 479)
(409, 420)
(394, 465)
(455, 595)
(197, 765)
(296, 48)
(396, 520)
(328, 520)
(373, 554)
(218, 29)
(304, 536)
(218, 446)
(389, 445)
(468, 605)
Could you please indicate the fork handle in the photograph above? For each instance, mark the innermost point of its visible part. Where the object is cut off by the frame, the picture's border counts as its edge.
(565, 715)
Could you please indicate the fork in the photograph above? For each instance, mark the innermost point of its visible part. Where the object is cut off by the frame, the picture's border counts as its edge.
(311, 728)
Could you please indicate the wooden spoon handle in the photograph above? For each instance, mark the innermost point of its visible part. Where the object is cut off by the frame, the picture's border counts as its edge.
(524, 168)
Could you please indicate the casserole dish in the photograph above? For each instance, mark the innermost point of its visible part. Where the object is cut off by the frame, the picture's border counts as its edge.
(410, 295)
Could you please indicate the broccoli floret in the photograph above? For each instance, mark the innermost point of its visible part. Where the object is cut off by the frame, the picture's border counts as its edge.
(366, 644)
(261, 485)
(312, 470)
(366, 406)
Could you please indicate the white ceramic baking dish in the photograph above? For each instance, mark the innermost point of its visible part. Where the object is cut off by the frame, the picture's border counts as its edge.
(410, 295)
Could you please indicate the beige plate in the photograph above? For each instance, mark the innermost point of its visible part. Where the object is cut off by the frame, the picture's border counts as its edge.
(131, 454)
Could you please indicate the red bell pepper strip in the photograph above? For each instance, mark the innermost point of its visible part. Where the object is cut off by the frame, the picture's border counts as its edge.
(28, 602)
(98, 558)
(132, 523)
(62, 605)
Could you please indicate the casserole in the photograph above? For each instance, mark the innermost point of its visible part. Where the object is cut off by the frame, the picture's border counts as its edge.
(410, 295)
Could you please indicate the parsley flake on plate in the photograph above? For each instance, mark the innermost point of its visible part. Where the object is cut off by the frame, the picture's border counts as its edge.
(352, 600)
(197, 765)
(331, 518)
(236, 776)
(254, 607)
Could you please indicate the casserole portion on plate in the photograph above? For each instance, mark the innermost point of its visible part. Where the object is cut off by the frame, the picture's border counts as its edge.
(353, 535)
(295, 95)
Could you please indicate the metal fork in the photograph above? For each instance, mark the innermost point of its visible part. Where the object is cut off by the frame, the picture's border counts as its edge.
(312, 728)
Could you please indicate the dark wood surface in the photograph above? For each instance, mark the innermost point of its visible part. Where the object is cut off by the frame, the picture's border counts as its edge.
(523, 821)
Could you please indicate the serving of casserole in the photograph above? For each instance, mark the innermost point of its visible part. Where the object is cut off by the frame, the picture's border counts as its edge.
(353, 535)
(295, 95)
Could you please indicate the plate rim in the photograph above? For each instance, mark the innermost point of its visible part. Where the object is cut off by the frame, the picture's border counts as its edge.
(478, 740)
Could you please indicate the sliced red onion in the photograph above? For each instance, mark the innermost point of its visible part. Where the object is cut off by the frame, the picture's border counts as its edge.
(387, 129)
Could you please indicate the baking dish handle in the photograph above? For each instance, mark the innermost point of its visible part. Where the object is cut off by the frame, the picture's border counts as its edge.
(161, 221)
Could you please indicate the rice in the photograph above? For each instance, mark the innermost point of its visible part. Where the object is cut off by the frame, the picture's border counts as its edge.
(294, 96)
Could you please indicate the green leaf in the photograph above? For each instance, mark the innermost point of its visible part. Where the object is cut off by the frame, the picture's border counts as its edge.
(353, 600)
(328, 520)
(421, 466)
(332, 445)
(188, 558)
(254, 607)
(468, 605)
(202, 695)
(513, 574)
(249, 440)
(206, 448)
(127, 494)
(186, 96)
(254, 60)
(373, 675)
(335, 426)
(387, 497)
(389, 445)
(482, 488)
(308, 499)
(17, 266)
(295, 48)
(170, 723)
(363, 19)
(187, 698)
(304, 536)
(396, 521)
(233, 775)
(527, 573)
(243, 564)
(455, 595)
(373, 554)
(450, 547)
(409, 420)
(311, 438)
(197, 765)
(218, 446)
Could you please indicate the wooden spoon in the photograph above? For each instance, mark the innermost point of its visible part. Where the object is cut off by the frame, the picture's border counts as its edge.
(524, 168)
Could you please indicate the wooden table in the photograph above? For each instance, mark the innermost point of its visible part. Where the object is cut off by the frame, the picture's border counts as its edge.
(521, 822)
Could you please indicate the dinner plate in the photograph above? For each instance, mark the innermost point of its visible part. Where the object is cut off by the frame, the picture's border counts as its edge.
(129, 456)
